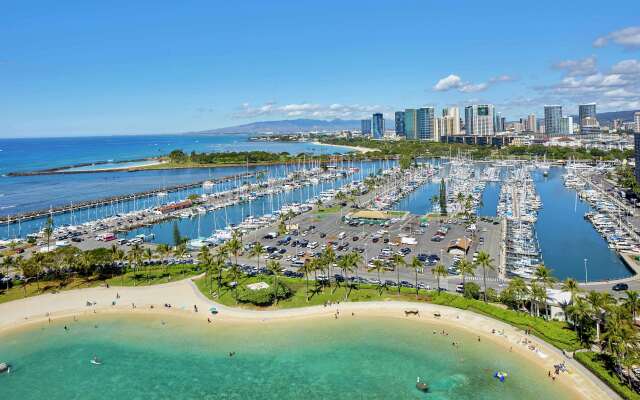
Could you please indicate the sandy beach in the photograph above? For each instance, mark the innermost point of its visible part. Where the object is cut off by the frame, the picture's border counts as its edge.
(183, 295)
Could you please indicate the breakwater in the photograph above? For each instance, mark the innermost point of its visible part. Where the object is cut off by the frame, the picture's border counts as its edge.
(15, 218)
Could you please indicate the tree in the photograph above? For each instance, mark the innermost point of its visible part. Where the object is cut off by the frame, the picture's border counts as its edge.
(471, 290)
(485, 261)
(307, 268)
(276, 269)
(632, 303)
(405, 161)
(378, 266)
(579, 312)
(538, 295)
(234, 246)
(599, 303)
(328, 259)
(543, 275)
(443, 197)
(416, 264)
(466, 267)
(177, 237)
(48, 231)
(398, 261)
(571, 285)
(7, 262)
(519, 289)
(148, 254)
(438, 271)
(257, 251)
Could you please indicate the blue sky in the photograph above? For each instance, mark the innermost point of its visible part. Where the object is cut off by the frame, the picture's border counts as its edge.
(87, 68)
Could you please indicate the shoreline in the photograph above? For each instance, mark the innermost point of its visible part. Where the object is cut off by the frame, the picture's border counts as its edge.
(183, 295)
(359, 149)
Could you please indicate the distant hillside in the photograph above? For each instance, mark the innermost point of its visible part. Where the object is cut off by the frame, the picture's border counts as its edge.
(606, 118)
(289, 126)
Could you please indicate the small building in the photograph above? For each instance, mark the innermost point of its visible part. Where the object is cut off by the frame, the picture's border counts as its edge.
(370, 217)
(557, 302)
(459, 246)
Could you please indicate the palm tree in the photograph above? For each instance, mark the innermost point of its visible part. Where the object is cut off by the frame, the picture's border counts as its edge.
(148, 254)
(378, 266)
(416, 264)
(257, 251)
(439, 270)
(234, 246)
(48, 231)
(542, 274)
(579, 312)
(328, 259)
(355, 259)
(571, 285)
(519, 288)
(235, 272)
(215, 268)
(163, 251)
(276, 269)
(632, 303)
(398, 260)
(307, 268)
(538, 295)
(345, 265)
(7, 262)
(485, 261)
(599, 303)
(466, 267)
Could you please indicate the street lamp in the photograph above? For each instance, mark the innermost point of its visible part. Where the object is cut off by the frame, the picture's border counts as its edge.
(585, 271)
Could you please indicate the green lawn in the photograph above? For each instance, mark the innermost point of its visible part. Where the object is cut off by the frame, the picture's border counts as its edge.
(554, 332)
(152, 276)
(601, 366)
(327, 210)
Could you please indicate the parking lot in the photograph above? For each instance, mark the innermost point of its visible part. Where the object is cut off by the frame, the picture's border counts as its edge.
(317, 230)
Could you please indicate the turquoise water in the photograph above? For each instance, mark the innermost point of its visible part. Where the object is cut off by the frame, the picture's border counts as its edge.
(186, 359)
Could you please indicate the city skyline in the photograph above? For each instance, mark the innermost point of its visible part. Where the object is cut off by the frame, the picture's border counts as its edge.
(114, 71)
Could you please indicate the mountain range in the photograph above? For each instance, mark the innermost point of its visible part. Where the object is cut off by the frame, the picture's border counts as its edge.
(321, 125)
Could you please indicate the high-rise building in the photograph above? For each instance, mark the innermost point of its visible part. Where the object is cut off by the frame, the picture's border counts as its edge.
(636, 118)
(503, 123)
(497, 127)
(478, 119)
(587, 111)
(552, 118)
(399, 123)
(450, 121)
(426, 123)
(566, 126)
(410, 124)
(636, 147)
(532, 123)
(377, 126)
(365, 126)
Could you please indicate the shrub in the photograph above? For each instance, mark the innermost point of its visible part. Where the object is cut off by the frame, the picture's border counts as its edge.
(471, 290)
(263, 297)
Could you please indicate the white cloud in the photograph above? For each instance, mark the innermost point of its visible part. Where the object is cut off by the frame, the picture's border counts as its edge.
(627, 67)
(448, 82)
(628, 38)
(455, 82)
(310, 110)
(473, 88)
(586, 66)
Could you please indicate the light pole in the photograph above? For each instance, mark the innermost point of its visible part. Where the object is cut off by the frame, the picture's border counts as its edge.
(585, 271)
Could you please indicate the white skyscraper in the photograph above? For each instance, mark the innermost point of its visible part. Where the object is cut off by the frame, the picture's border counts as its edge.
(450, 121)
(478, 119)
(636, 118)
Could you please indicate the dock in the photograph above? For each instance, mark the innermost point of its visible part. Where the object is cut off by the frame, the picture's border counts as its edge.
(15, 218)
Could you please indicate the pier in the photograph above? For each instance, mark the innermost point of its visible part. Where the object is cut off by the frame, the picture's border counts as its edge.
(15, 218)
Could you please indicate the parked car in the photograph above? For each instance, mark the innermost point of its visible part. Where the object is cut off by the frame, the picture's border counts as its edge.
(618, 287)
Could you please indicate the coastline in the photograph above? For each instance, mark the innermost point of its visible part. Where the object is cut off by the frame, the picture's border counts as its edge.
(359, 149)
(183, 295)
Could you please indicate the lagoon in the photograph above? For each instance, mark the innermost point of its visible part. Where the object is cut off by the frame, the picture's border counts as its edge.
(317, 358)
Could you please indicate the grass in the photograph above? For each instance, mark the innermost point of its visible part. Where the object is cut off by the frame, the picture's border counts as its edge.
(152, 276)
(554, 332)
(327, 210)
(602, 366)
(318, 296)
